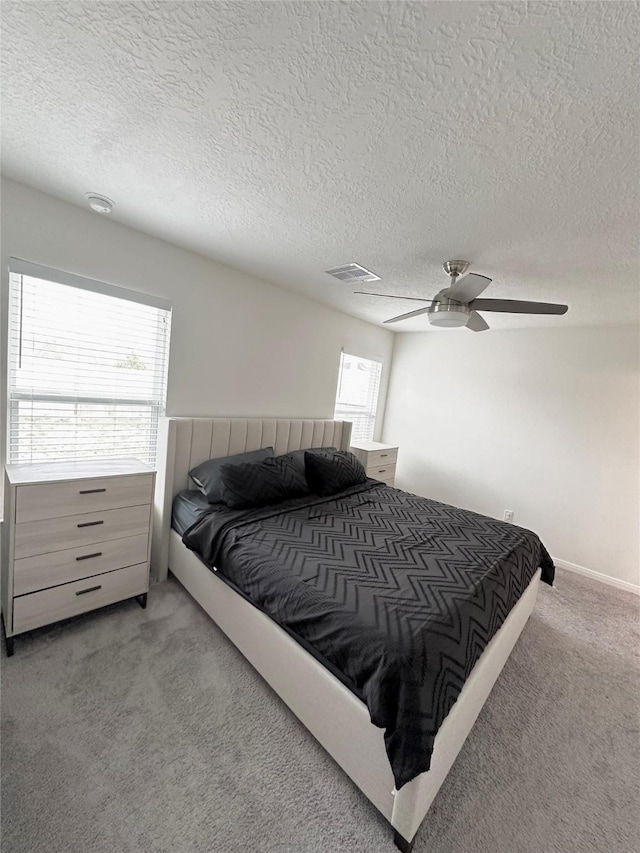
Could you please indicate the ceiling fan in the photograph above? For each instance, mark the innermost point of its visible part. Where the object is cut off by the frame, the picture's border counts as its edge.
(458, 304)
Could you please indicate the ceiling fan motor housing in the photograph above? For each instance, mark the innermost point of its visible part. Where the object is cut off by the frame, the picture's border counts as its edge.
(448, 314)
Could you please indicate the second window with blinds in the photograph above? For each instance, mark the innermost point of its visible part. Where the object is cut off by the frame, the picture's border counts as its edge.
(357, 396)
(87, 368)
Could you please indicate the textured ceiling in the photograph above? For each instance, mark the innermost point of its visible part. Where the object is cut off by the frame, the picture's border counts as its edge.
(287, 137)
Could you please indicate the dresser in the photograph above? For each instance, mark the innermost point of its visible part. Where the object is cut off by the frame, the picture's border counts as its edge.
(378, 459)
(76, 536)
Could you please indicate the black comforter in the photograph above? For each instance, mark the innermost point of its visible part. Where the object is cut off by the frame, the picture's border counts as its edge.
(399, 593)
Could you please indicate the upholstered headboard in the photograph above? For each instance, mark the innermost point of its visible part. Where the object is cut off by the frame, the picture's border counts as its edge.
(185, 442)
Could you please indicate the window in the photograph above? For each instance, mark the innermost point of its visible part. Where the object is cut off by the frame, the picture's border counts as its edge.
(357, 399)
(87, 368)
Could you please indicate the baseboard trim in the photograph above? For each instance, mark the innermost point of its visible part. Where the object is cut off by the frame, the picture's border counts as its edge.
(597, 576)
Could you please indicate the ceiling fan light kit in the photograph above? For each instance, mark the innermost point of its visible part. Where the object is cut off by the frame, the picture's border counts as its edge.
(457, 305)
(448, 314)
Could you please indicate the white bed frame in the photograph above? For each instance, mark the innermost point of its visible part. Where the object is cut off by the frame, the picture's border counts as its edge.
(333, 715)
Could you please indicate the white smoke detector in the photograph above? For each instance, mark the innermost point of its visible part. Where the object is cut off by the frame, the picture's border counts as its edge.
(99, 203)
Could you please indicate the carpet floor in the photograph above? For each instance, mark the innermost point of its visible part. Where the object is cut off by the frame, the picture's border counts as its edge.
(130, 730)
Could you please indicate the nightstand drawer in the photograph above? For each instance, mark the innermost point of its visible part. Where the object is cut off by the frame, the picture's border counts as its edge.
(55, 500)
(379, 458)
(70, 599)
(46, 570)
(380, 472)
(59, 534)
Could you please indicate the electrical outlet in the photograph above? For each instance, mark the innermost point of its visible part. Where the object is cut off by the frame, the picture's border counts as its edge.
(508, 515)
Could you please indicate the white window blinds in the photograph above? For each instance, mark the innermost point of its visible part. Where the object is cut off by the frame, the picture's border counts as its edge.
(87, 368)
(357, 398)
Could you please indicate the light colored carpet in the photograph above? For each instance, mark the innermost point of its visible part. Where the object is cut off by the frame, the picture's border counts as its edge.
(131, 730)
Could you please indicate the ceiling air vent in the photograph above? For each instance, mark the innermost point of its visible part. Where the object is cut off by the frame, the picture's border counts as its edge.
(352, 273)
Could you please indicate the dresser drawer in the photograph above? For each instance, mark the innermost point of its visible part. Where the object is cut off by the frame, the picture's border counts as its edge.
(34, 573)
(381, 472)
(59, 534)
(61, 602)
(55, 500)
(379, 458)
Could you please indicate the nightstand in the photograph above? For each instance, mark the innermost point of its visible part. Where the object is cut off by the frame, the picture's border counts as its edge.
(378, 459)
(76, 537)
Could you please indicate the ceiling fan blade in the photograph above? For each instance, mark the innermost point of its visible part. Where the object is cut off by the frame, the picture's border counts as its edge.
(467, 288)
(477, 323)
(410, 314)
(517, 306)
(390, 296)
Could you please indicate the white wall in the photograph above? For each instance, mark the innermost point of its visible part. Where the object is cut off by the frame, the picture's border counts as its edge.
(545, 422)
(239, 345)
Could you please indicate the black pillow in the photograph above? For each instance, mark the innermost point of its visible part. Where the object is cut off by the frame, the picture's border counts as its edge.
(206, 476)
(253, 484)
(331, 472)
(297, 457)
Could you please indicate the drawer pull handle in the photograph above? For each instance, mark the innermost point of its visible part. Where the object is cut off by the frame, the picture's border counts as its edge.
(91, 491)
(90, 523)
(91, 589)
(381, 470)
(89, 556)
(383, 455)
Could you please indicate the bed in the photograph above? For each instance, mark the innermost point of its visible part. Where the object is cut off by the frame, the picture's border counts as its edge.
(318, 692)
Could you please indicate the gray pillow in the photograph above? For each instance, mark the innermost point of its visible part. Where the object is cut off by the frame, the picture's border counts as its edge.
(206, 476)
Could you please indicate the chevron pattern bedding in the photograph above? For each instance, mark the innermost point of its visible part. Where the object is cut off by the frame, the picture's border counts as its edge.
(399, 593)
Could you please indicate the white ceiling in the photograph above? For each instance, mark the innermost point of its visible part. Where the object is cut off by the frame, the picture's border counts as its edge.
(283, 138)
